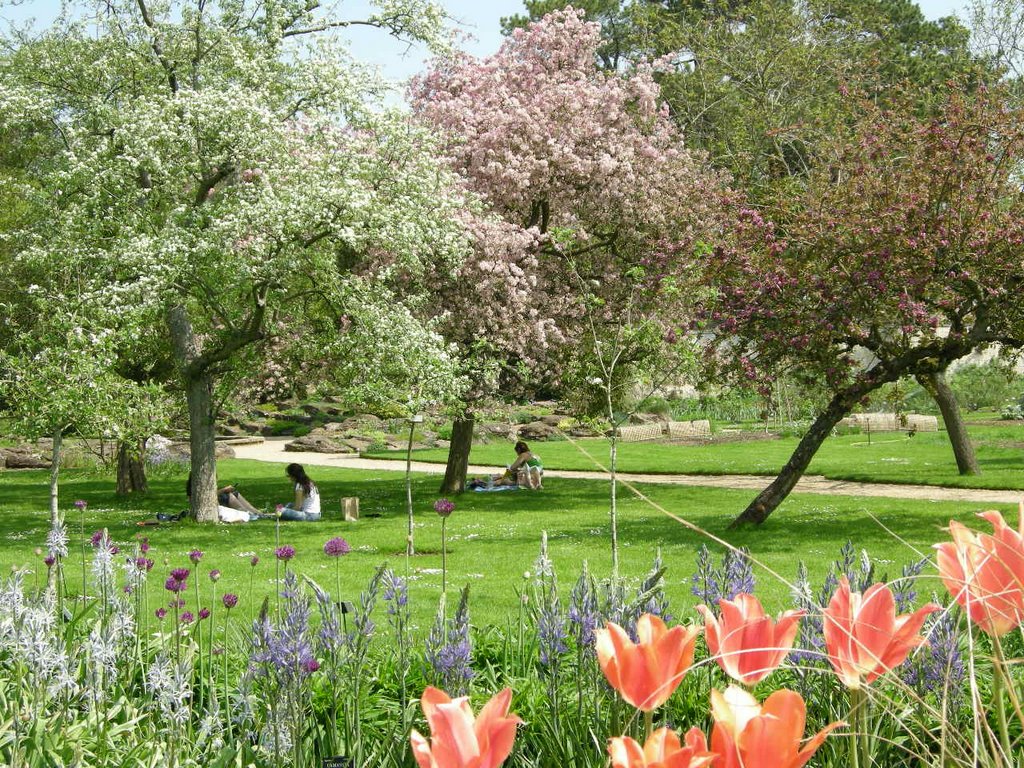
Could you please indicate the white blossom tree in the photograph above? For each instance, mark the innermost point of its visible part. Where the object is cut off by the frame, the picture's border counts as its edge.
(222, 165)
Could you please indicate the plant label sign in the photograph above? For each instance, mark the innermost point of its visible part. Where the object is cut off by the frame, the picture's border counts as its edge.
(338, 762)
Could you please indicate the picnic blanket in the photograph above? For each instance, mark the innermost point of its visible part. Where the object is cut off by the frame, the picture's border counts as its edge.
(496, 488)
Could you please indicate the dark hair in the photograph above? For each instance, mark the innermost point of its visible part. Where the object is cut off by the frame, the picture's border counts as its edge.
(522, 447)
(298, 474)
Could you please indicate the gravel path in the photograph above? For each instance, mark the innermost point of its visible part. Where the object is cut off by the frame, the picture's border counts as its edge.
(272, 450)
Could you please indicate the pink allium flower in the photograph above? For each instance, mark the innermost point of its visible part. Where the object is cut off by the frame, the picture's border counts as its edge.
(230, 600)
(286, 553)
(187, 617)
(444, 507)
(175, 585)
(311, 665)
(204, 613)
(253, 562)
(161, 612)
(195, 556)
(180, 573)
(215, 575)
(49, 560)
(336, 547)
(81, 504)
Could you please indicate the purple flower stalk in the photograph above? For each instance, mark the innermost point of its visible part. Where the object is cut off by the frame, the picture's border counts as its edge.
(174, 585)
(81, 504)
(144, 545)
(214, 575)
(336, 547)
(286, 553)
(254, 561)
(444, 507)
(204, 613)
(195, 556)
(97, 537)
(49, 560)
(230, 600)
(180, 573)
(187, 617)
(161, 612)
(311, 665)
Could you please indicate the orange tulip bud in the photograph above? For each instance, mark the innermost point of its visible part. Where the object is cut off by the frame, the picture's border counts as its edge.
(985, 572)
(647, 672)
(460, 741)
(662, 750)
(749, 735)
(748, 645)
(864, 636)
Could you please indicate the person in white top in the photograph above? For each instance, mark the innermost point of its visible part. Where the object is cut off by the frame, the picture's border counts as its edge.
(306, 506)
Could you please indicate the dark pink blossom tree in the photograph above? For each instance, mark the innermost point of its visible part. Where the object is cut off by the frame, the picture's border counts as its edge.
(902, 255)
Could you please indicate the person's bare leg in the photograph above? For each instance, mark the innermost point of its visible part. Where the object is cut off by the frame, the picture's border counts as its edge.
(238, 501)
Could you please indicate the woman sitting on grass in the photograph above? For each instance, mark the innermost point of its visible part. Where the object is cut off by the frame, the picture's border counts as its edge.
(526, 471)
(306, 506)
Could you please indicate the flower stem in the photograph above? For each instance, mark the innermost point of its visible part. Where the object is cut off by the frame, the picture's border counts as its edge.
(856, 710)
(998, 685)
(648, 724)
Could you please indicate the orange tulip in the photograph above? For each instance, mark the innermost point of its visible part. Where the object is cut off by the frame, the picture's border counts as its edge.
(748, 735)
(985, 572)
(646, 673)
(864, 636)
(662, 750)
(748, 645)
(459, 741)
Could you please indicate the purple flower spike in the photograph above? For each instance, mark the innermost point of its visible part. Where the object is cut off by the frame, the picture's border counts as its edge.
(180, 573)
(49, 560)
(254, 561)
(444, 507)
(286, 553)
(97, 537)
(174, 585)
(187, 617)
(230, 600)
(81, 504)
(144, 545)
(336, 547)
(161, 612)
(311, 665)
(195, 556)
(204, 613)
(214, 575)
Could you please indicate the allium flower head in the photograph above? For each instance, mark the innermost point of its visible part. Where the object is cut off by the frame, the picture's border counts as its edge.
(215, 575)
(286, 552)
(175, 585)
(81, 504)
(187, 617)
(204, 613)
(311, 665)
(96, 538)
(161, 612)
(180, 573)
(254, 561)
(230, 600)
(444, 507)
(195, 555)
(144, 545)
(336, 547)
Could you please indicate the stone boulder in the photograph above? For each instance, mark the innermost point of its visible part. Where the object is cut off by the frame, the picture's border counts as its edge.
(22, 458)
(318, 441)
(221, 450)
(537, 430)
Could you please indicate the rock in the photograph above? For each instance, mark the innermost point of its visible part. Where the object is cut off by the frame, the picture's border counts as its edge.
(361, 422)
(221, 450)
(501, 428)
(358, 444)
(582, 430)
(537, 430)
(229, 430)
(552, 419)
(317, 441)
(22, 458)
(333, 427)
(442, 444)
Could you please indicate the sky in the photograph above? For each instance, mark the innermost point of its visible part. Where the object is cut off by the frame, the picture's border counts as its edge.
(480, 20)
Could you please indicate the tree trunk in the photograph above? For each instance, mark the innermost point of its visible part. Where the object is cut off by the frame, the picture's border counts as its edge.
(131, 469)
(410, 550)
(770, 498)
(935, 384)
(202, 449)
(613, 512)
(51, 577)
(458, 455)
(198, 381)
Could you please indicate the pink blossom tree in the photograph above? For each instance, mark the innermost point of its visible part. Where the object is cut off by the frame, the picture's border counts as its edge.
(900, 256)
(581, 174)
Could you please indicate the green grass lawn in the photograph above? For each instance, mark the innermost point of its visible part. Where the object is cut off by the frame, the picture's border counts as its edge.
(925, 458)
(493, 538)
